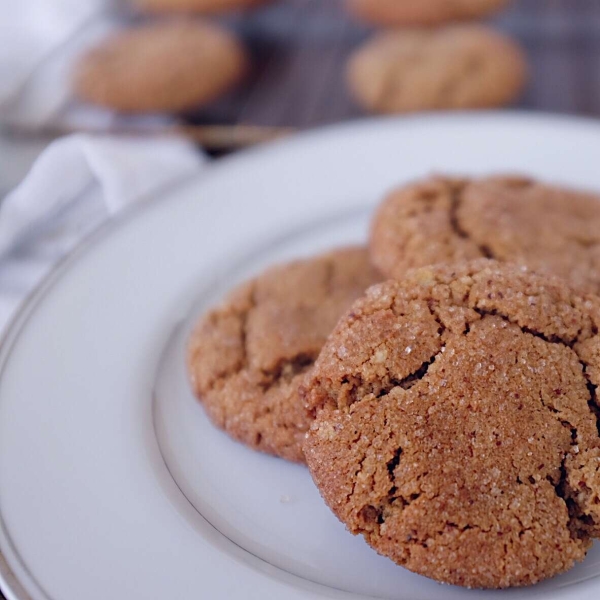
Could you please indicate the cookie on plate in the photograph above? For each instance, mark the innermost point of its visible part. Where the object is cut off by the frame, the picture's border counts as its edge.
(194, 6)
(443, 220)
(455, 67)
(457, 423)
(424, 12)
(247, 357)
(171, 65)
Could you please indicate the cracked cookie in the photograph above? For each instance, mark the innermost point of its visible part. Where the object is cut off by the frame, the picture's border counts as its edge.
(402, 13)
(171, 65)
(457, 423)
(247, 358)
(456, 67)
(440, 220)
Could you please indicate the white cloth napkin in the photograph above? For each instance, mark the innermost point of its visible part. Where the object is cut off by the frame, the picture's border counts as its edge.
(78, 181)
(76, 184)
(41, 40)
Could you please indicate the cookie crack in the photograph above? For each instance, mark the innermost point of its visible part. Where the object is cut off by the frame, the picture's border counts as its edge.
(382, 389)
(433, 310)
(285, 370)
(216, 381)
(578, 522)
(577, 519)
(356, 387)
(593, 401)
(391, 467)
(375, 514)
(415, 539)
(245, 316)
(412, 379)
(461, 528)
(553, 339)
(456, 192)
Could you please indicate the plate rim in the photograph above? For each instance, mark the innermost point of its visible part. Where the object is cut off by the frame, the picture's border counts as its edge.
(10, 585)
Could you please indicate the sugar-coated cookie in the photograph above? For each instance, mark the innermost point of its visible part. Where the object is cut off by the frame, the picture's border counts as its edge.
(169, 65)
(442, 220)
(247, 357)
(457, 423)
(455, 67)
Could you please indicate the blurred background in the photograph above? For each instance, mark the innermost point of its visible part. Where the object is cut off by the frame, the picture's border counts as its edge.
(298, 51)
(116, 98)
(295, 74)
(301, 48)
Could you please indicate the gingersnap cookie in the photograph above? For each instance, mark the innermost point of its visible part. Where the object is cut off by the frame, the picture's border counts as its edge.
(457, 423)
(171, 65)
(194, 6)
(442, 220)
(424, 12)
(247, 358)
(455, 67)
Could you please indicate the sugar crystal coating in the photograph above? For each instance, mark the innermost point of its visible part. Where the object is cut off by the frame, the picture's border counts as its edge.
(474, 459)
(247, 357)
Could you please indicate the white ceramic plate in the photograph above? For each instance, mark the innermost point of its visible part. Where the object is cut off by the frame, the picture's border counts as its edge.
(112, 481)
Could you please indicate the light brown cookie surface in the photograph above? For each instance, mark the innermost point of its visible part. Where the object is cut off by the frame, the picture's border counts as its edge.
(247, 358)
(441, 220)
(171, 65)
(457, 423)
(456, 67)
(422, 12)
(194, 6)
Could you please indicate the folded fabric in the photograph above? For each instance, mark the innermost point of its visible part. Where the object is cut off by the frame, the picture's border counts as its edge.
(41, 41)
(77, 183)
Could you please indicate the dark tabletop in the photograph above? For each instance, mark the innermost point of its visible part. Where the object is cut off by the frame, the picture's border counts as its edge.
(300, 48)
